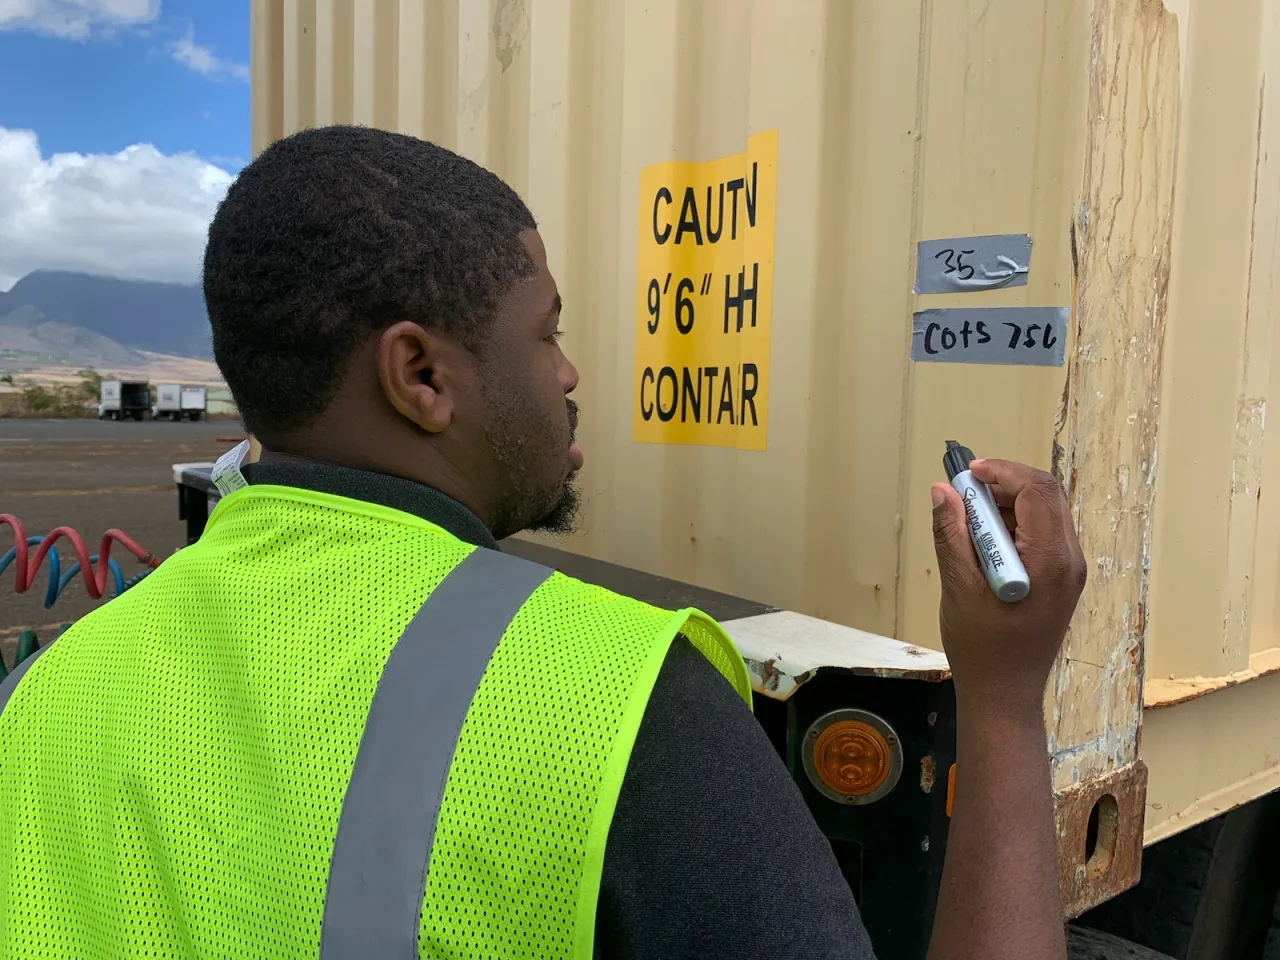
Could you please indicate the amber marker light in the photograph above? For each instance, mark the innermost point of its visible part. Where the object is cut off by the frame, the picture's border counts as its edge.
(852, 756)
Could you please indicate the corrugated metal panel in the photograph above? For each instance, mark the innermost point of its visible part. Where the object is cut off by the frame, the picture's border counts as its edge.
(1215, 552)
(571, 103)
(895, 122)
(1218, 524)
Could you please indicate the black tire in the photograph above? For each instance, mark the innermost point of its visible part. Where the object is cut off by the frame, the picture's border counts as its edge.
(1208, 893)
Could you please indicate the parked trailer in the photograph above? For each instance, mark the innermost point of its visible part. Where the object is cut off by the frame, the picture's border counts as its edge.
(194, 403)
(124, 399)
(859, 172)
(168, 404)
(176, 402)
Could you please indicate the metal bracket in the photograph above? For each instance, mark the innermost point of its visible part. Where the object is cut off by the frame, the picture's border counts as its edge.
(1099, 830)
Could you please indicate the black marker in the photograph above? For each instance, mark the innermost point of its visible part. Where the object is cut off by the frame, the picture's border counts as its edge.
(996, 553)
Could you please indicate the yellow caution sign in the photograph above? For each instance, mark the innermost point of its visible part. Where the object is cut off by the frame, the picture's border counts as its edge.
(704, 292)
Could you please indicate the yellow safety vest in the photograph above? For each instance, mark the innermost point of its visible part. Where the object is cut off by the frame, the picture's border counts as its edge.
(327, 729)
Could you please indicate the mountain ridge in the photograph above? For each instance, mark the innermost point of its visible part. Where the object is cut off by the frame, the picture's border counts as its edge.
(29, 338)
(167, 318)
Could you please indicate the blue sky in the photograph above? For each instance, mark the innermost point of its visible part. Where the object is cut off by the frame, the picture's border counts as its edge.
(120, 124)
(131, 85)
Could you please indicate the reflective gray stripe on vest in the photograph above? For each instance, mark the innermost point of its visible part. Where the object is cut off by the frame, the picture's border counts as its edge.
(10, 683)
(378, 874)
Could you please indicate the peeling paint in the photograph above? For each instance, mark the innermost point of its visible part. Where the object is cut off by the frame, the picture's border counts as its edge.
(1242, 522)
(769, 675)
(1163, 692)
(510, 31)
(1246, 463)
(783, 650)
(1108, 438)
(927, 771)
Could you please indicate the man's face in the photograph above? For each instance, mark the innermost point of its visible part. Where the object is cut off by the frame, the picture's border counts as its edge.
(525, 380)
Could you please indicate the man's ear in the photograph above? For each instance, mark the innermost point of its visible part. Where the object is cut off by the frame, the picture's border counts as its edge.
(416, 375)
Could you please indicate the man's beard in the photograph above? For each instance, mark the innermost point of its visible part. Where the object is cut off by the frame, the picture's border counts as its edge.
(526, 508)
(563, 518)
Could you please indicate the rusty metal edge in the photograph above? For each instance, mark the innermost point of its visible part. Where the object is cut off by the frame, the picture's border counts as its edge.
(768, 681)
(1158, 694)
(1117, 862)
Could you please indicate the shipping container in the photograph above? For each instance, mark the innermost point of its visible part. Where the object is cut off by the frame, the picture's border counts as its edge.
(802, 243)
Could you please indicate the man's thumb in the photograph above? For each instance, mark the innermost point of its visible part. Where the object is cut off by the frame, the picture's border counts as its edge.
(951, 535)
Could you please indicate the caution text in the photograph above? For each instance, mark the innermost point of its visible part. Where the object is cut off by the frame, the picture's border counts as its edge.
(704, 299)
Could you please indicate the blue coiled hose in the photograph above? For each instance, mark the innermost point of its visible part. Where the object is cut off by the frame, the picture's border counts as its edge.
(58, 580)
(117, 576)
(55, 565)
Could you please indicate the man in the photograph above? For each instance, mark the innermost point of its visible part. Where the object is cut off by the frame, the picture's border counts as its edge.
(344, 724)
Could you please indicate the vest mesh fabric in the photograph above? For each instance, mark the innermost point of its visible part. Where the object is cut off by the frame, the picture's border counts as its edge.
(173, 768)
(519, 845)
(171, 775)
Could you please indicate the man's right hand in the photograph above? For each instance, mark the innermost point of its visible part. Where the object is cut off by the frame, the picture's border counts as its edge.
(1000, 897)
(997, 649)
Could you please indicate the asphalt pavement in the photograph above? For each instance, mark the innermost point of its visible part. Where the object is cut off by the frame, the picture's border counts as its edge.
(92, 475)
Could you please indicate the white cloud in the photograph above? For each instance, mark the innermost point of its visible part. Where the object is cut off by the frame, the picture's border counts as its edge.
(139, 213)
(75, 19)
(203, 60)
(82, 19)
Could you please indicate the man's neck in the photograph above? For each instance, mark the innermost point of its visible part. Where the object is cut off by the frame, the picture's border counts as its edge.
(388, 490)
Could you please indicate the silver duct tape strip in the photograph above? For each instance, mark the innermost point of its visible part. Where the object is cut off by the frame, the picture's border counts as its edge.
(1017, 336)
(966, 264)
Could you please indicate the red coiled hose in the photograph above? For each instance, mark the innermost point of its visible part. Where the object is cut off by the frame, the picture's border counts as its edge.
(95, 579)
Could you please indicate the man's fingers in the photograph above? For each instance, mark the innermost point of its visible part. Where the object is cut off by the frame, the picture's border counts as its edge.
(1043, 530)
(1010, 517)
(1012, 478)
(957, 562)
(1002, 497)
(1035, 496)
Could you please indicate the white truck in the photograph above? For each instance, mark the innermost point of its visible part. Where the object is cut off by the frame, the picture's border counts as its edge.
(123, 399)
(176, 402)
(168, 405)
(194, 402)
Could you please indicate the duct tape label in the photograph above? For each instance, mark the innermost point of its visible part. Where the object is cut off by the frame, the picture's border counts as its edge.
(1021, 336)
(965, 264)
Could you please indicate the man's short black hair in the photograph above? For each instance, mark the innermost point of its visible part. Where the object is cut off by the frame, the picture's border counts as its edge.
(335, 233)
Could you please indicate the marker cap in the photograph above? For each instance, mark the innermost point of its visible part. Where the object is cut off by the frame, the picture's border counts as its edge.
(956, 460)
